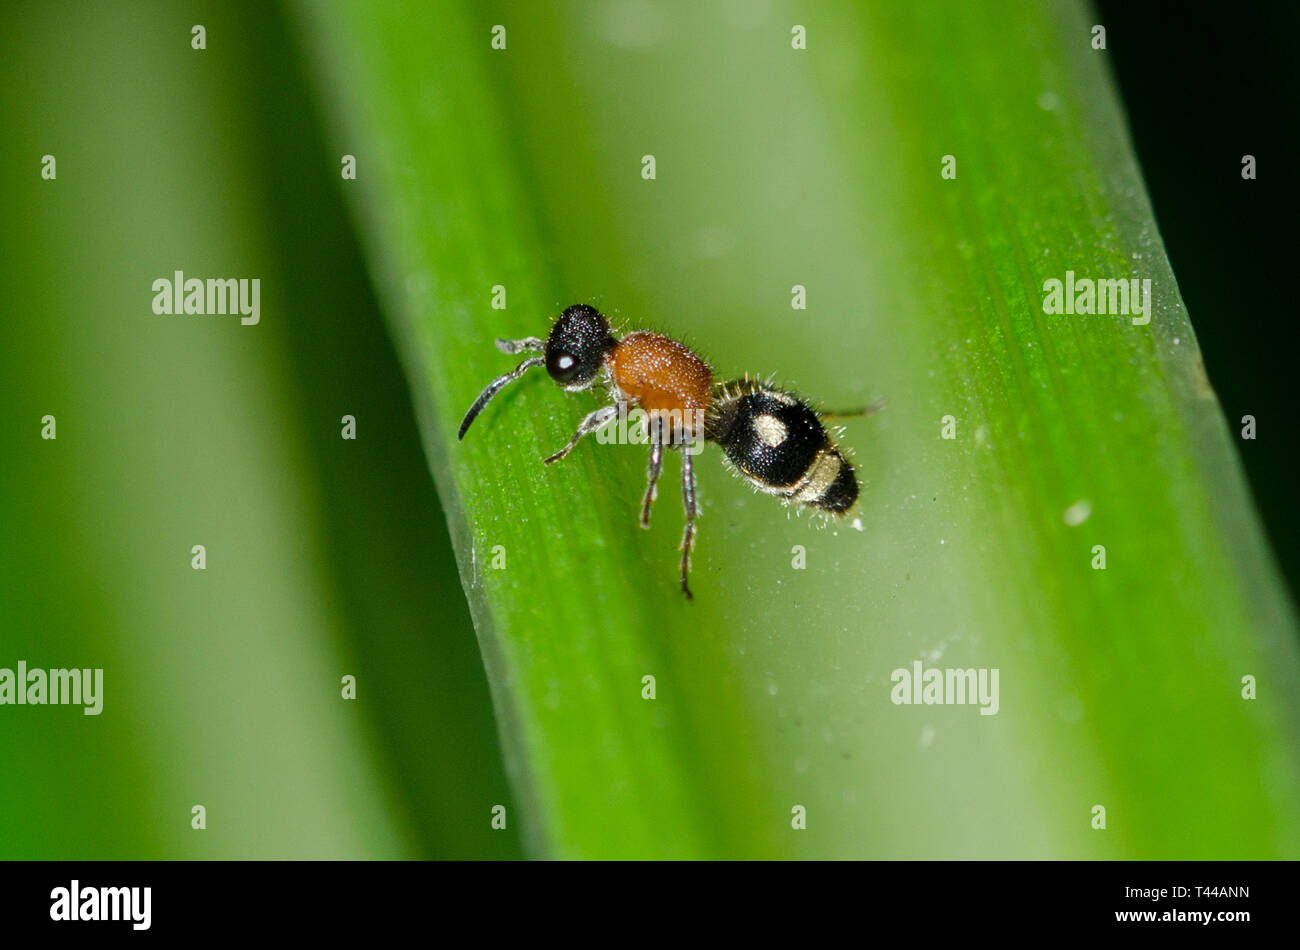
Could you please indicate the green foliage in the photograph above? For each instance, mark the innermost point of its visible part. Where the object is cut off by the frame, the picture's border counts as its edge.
(522, 168)
(324, 557)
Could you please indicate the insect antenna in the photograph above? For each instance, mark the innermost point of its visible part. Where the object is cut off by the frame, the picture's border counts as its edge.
(492, 389)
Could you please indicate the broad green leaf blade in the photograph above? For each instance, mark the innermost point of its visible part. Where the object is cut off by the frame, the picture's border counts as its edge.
(775, 167)
(324, 557)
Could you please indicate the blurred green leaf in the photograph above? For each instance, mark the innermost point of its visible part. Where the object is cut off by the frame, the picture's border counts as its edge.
(324, 557)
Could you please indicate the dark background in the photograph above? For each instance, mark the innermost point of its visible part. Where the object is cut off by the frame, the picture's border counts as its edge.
(1205, 84)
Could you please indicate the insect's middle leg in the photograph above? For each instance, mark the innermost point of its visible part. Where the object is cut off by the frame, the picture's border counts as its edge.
(692, 509)
(593, 422)
(652, 473)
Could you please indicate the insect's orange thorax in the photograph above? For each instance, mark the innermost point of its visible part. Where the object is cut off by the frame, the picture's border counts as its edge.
(659, 374)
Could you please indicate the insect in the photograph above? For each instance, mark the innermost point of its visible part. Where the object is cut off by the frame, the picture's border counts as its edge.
(770, 437)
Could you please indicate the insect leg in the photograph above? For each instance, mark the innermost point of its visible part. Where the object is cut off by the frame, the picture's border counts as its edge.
(870, 410)
(593, 422)
(652, 473)
(688, 533)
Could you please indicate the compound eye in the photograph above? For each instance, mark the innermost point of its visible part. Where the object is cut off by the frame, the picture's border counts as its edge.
(562, 366)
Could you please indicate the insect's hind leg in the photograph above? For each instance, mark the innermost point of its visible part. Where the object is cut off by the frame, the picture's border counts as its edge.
(692, 510)
(652, 473)
(870, 410)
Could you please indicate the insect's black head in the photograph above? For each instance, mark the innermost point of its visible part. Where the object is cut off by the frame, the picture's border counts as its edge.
(577, 346)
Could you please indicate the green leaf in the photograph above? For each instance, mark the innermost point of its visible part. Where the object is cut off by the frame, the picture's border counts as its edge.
(324, 557)
(777, 167)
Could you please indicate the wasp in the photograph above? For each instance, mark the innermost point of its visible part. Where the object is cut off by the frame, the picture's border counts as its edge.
(770, 437)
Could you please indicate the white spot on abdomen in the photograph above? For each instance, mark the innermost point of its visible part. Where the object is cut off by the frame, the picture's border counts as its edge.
(770, 429)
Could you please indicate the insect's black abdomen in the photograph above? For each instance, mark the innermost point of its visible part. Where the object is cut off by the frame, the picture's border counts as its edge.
(780, 445)
(773, 440)
(843, 491)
